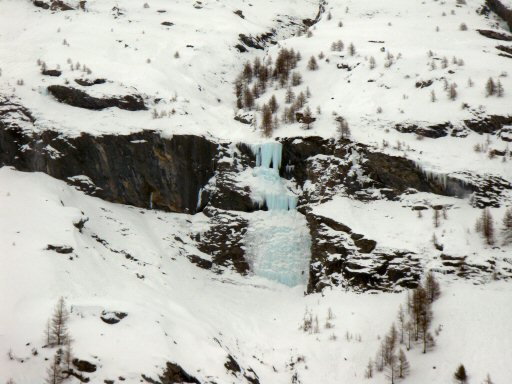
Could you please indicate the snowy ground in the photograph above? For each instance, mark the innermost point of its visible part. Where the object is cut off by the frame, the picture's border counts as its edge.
(128, 259)
(177, 309)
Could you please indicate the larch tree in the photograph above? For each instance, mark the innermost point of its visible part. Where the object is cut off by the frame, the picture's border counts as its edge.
(59, 323)
(342, 127)
(432, 287)
(507, 227)
(403, 364)
(485, 225)
(312, 64)
(273, 104)
(54, 374)
(266, 120)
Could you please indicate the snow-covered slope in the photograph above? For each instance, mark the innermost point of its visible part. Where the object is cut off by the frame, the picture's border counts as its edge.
(412, 156)
(177, 312)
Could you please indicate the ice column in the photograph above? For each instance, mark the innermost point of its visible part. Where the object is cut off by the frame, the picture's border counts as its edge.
(278, 241)
(269, 188)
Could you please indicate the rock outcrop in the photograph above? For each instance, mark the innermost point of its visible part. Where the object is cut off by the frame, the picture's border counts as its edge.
(141, 169)
(340, 257)
(80, 99)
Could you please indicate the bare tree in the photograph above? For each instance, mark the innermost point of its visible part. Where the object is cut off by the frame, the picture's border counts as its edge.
(290, 96)
(308, 117)
(488, 380)
(499, 89)
(436, 217)
(507, 227)
(452, 91)
(248, 98)
(403, 365)
(68, 355)
(273, 104)
(392, 369)
(351, 49)
(59, 323)
(266, 120)
(54, 374)
(372, 63)
(369, 369)
(432, 287)
(343, 129)
(485, 225)
(312, 64)
(401, 323)
(490, 87)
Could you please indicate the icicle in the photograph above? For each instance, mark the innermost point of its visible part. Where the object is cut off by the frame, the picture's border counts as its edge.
(272, 190)
(151, 200)
(199, 197)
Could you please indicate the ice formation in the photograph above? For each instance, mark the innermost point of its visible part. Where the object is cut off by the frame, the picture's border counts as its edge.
(269, 188)
(279, 246)
(278, 240)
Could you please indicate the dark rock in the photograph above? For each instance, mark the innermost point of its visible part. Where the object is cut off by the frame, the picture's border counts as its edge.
(424, 84)
(250, 41)
(77, 375)
(224, 240)
(365, 245)
(505, 49)
(224, 191)
(433, 131)
(41, 4)
(51, 72)
(80, 224)
(501, 10)
(84, 366)
(80, 99)
(126, 169)
(232, 365)
(494, 35)
(110, 317)
(174, 374)
(337, 261)
(487, 190)
(200, 262)
(64, 249)
(239, 13)
(304, 119)
(311, 22)
(167, 23)
(58, 5)
(489, 124)
(258, 42)
(241, 48)
(88, 83)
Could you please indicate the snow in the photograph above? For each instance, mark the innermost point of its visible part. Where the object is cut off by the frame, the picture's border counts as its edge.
(128, 259)
(178, 309)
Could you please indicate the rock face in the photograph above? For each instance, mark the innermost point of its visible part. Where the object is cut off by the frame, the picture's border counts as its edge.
(333, 167)
(80, 99)
(340, 257)
(173, 373)
(190, 174)
(224, 240)
(141, 169)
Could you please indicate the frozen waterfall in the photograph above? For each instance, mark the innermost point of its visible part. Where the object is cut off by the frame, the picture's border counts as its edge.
(268, 187)
(278, 240)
